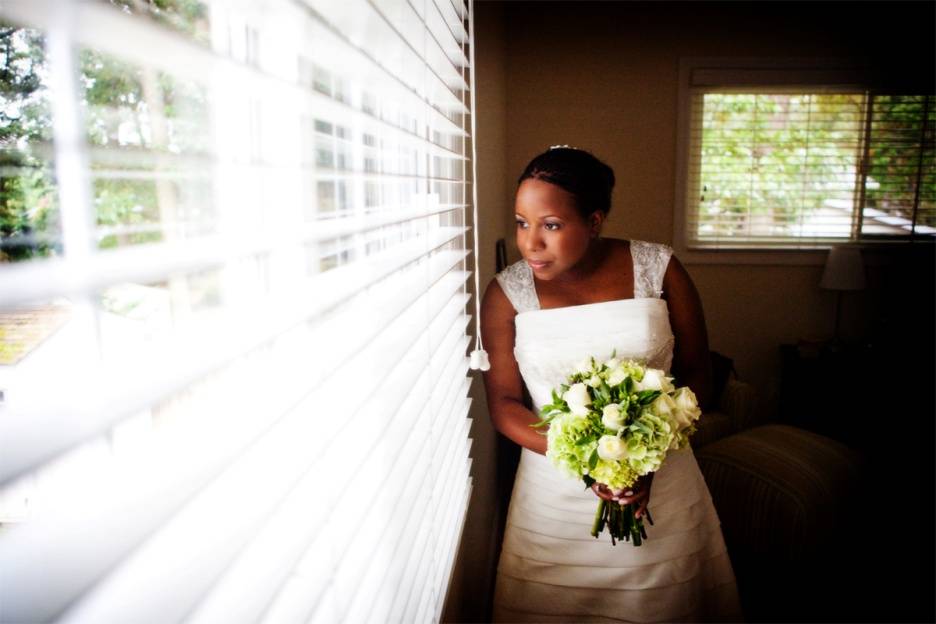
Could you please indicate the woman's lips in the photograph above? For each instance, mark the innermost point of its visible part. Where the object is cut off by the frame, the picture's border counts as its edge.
(537, 265)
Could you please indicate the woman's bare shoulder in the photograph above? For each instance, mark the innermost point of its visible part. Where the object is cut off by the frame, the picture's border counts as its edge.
(495, 302)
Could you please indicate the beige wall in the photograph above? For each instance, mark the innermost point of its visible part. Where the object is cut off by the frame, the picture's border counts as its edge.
(604, 77)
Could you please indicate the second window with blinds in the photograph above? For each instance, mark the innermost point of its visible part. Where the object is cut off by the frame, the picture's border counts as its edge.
(774, 158)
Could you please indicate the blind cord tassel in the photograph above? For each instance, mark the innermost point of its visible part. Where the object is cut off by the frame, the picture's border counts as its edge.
(479, 357)
(479, 360)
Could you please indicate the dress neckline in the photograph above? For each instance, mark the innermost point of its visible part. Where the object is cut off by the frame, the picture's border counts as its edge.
(589, 305)
(540, 308)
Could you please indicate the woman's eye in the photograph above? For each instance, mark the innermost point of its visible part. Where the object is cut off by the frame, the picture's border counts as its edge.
(521, 224)
(552, 226)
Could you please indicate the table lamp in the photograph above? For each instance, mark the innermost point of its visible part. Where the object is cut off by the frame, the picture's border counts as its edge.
(844, 270)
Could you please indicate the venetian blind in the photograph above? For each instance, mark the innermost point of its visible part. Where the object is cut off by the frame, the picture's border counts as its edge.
(237, 283)
(790, 159)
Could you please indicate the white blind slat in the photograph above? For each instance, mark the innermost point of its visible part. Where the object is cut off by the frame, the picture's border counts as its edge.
(447, 38)
(94, 398)
(412, 28)
(44, 279)
(244, 588)
(366, 585)
(115, 501)
(453, 18)
(370, 32)
(104, 28)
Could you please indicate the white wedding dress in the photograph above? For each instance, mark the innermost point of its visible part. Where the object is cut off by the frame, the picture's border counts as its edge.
(551, 569)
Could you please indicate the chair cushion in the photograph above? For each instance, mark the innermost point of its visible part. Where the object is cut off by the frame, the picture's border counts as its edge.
(778, 489)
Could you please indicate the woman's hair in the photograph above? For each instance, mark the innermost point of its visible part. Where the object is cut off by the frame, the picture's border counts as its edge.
(588, 179)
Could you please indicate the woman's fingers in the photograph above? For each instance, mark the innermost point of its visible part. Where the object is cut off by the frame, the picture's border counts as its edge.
(634, 497)
(642, 508)
(602, 491)
(631, 496)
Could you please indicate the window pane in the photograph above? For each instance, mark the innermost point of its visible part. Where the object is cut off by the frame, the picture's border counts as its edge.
(149, 143)
(778, 165)
(901, 178)
(29, 214)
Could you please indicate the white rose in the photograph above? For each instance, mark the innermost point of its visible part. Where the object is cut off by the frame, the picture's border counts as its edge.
(665, 406)
(611, 448)
(687, 407)
(584, 366)
(655, 379)
(612, 363)
(617, 375)
(594, 381)
(611, 416)
(578, 399)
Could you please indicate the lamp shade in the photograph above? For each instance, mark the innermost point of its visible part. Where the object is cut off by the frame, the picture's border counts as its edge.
(844, 270)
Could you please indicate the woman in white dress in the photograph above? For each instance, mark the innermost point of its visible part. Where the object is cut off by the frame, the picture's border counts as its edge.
(576, 294)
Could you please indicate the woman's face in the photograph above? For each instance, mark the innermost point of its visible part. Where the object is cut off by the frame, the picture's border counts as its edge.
(551, 234)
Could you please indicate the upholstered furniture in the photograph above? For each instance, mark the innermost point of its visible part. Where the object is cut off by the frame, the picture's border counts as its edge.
(788, 505)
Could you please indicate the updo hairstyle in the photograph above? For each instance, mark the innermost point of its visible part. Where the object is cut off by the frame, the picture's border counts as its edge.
(576, 171)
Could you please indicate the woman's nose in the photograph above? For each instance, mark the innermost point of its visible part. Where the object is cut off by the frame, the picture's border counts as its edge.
(534, 241)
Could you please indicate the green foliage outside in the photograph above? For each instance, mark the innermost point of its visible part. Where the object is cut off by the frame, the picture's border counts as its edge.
(137, 120)
(782, 156)
(770, 161)
(895, 168)
(28, 204)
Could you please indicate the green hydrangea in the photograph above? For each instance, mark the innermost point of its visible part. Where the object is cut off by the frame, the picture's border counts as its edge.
(617, 475)
(571, 442)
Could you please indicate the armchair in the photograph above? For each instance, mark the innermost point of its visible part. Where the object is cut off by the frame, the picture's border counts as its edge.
(786, 500)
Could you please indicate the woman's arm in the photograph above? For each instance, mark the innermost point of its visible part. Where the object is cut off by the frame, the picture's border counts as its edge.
(692, 364)
(502, 382)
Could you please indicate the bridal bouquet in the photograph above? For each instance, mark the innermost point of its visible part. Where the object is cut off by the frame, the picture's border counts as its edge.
(613, 422)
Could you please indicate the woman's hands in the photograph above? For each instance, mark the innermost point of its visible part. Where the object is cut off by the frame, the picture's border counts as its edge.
(638, 494)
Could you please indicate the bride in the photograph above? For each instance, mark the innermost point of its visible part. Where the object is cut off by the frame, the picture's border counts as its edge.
(577, 294)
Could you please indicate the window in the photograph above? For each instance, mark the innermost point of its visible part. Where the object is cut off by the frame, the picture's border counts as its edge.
(797, 158)
(232, 309)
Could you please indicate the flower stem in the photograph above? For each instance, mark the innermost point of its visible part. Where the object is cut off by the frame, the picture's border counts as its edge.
(599, 516)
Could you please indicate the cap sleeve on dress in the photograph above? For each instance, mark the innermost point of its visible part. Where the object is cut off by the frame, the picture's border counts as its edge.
(517, 283)
(650, 262)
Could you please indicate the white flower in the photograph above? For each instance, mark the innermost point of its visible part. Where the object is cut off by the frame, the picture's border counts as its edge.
(687, 407)
(611, 448)
(612, 363)
(617, 375)
(611, 417)
(578, 399)
(594, 381)
(584, 366)
(664, 406)
(655, 379)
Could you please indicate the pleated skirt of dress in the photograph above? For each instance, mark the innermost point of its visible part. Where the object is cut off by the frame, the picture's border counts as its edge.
(552, 570)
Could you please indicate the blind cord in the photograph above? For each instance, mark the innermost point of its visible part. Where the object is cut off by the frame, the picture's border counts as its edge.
(479, 357)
